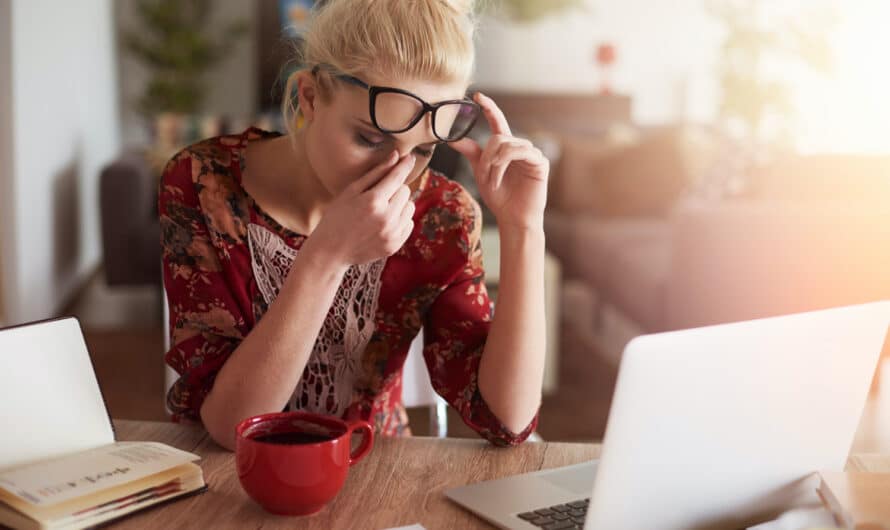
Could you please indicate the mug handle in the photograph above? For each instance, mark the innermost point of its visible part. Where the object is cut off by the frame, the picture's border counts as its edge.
(367, 440)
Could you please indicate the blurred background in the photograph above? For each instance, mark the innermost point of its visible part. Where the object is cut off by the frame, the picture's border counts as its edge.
(712, 160)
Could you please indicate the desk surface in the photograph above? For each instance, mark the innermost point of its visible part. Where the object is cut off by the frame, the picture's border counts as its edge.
(401, 482)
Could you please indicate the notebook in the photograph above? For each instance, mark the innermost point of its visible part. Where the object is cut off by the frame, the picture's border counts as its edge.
(60, 465)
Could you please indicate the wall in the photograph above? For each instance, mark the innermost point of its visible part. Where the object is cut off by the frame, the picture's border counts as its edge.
(231, 84)
(64, 128)
(666, 55)
(667, 62)
(6, 203)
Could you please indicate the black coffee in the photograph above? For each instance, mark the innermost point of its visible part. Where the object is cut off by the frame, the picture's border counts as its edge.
(292, 438)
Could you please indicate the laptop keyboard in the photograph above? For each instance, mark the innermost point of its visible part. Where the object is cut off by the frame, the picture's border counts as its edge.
(559, 517)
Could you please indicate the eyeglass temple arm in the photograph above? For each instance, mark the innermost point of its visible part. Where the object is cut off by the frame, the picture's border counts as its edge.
(343, 77)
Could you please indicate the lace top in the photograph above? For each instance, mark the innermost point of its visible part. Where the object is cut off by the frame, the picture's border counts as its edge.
(225, 260)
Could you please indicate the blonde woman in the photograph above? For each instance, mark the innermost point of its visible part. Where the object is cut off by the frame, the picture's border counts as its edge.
(299, 267)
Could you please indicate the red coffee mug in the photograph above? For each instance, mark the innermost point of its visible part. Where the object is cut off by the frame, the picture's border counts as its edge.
(302, 462)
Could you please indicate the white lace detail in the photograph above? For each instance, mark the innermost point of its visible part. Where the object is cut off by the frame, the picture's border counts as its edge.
(327, 383)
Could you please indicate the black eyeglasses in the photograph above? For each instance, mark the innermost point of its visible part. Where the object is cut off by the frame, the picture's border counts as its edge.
(394, 110)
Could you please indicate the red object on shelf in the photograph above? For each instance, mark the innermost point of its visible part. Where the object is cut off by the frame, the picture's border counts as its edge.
(605, 54)
(605, 58)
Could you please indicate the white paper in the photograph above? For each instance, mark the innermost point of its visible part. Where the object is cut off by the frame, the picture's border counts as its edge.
(51, 402)
(800, 519)
(52, 481)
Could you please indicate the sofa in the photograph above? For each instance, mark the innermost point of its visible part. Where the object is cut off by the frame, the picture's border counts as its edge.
(649, 252)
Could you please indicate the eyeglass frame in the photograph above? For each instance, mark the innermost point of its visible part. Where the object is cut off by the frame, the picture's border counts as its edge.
(432, 108)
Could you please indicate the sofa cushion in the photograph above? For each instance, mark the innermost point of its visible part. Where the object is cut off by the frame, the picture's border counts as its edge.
(630, 175)
(754, 259)
(824, 178)
(634, 281)
(571, 187)
(597, 242)
(560, 228)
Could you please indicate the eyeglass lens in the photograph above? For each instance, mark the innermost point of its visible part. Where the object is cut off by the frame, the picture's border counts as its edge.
(395, 112)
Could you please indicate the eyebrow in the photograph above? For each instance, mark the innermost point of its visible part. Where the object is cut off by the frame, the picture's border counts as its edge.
(390, 136)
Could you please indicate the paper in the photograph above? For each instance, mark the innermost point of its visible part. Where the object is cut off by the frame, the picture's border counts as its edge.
(409, 527)
(57, 406)
(52, 481)
(800, 519)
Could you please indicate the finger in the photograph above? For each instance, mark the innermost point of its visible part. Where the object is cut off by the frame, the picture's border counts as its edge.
(513, 154)
(396, 177)
(493, 115)
(469, 148)
(407, 230)
(400, 235)
(497, 173)
(495, 145)
(401, 214)
(399, 198)
(375, 174)
(407, 212)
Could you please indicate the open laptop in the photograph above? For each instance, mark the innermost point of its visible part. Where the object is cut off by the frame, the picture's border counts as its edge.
(714, 427)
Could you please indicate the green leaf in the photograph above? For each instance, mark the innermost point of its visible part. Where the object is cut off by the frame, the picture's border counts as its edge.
(173, 41)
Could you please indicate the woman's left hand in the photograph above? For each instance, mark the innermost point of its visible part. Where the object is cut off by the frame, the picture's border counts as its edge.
(510, 172)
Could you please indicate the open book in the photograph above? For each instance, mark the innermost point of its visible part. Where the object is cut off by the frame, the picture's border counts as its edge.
(60, 466)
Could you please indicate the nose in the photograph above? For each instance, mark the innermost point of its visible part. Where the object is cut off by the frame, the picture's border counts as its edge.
(420, 134)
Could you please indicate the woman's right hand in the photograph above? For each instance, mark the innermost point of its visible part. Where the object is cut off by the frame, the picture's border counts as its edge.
(371, 219)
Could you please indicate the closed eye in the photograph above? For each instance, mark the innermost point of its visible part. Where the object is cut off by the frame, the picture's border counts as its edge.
(365, 141)
(426, 152)
(361, 139)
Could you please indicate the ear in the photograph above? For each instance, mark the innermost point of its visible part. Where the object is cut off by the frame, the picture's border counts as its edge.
(307, 94)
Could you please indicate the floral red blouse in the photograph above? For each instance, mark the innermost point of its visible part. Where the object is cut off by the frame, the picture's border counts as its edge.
(225, 258)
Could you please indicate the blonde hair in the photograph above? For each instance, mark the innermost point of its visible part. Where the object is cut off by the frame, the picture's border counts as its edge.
(399, 39)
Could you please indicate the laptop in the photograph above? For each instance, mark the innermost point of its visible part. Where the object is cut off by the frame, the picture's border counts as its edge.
(715, 427)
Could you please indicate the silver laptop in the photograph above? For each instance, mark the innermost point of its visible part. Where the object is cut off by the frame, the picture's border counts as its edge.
(714, 427)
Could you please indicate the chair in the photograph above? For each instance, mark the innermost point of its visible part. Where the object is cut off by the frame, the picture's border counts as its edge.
(417, 390)
(170, 375)
(129, 221)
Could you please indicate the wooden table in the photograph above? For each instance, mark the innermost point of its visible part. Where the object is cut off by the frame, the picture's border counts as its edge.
(401, 482)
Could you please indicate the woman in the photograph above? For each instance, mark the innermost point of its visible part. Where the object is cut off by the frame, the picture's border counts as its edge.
(299, 267)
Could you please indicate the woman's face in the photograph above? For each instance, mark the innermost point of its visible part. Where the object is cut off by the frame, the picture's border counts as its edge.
(342, 143)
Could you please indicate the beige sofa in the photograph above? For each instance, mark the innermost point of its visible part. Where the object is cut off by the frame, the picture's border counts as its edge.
(808, 233)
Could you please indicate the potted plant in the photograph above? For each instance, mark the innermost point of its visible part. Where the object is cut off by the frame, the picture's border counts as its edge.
(751, 96)
(173, 41)
(531, 10)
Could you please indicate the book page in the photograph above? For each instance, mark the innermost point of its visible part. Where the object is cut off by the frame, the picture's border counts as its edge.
(52, 481)
(52, 401)
(172, 482)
